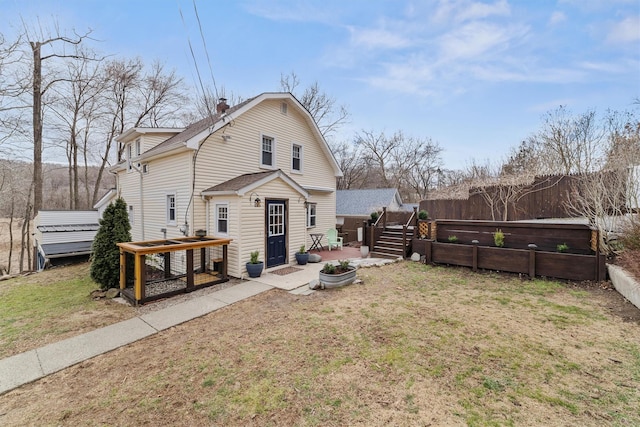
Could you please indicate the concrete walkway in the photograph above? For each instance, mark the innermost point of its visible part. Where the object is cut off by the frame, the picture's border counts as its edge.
(32, 365)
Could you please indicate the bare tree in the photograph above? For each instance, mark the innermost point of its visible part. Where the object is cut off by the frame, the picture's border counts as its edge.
(12, 91)
(569, 144)
(351, 163)
(328, 116)
(378, 152)
(56, 44)
(419, 163)
(76, 105)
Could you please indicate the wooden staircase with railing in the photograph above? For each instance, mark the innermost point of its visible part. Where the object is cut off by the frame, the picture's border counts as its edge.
(392, 243)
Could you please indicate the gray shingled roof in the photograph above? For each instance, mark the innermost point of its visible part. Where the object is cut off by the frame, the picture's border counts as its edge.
(363, 202)
(239, 182)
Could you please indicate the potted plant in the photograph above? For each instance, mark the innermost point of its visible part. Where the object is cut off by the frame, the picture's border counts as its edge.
(498, 238)
(423, 215)
(254, 267)
(302, 256)
(562, 247)
(452, 239)
(374, 218)
(333, 276)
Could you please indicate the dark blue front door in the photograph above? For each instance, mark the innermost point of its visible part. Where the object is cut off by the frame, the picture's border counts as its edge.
(276, 233)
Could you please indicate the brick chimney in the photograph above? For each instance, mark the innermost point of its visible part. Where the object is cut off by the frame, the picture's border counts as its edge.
(222, 106)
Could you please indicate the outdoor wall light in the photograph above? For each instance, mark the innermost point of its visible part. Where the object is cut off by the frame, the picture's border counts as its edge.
(256, 200)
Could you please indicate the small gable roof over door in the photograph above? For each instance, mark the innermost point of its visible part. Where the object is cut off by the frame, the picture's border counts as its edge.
(243, 184)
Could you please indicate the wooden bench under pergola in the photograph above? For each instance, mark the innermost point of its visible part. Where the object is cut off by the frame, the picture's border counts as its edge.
(154, 269)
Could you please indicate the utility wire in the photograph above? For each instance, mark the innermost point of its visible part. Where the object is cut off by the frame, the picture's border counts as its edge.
(195, 63)
(206, 51)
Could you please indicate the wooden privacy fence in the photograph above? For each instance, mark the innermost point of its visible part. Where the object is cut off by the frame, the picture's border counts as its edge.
(529, 248)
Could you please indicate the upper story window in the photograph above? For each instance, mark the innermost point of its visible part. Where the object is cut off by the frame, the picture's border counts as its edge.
(131, 215)
(284, 108)
(129, 156)
(138, 147)
(171, 209)
(268, 149)
(296, 158)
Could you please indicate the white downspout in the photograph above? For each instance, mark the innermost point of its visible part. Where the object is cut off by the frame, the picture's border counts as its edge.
(207, 204)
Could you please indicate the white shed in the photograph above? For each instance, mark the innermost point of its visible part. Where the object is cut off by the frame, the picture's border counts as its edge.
(63, 234)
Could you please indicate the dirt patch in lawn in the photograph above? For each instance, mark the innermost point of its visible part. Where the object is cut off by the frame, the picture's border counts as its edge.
(413, 345)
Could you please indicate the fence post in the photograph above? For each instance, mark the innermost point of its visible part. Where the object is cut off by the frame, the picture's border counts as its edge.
(384, 217)
(415, 218)
(404, 241)
(427, 252)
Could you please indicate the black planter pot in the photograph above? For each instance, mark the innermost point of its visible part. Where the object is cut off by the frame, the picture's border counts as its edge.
(302, 258)
(255, 270)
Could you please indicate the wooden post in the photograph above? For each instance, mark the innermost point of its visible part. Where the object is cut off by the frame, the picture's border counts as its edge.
(190, 272)
(384, 217)
(123, 269)
(203, 255)
(372, 237)
(427, 252)
(404, 242)
(138, 283)
(415, 217)
(224, 261)
(167, 265)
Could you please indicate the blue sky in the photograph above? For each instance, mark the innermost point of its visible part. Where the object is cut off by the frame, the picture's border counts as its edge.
(475, 76)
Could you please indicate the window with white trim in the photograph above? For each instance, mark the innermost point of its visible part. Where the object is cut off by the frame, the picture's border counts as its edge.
(138, 151)
(268, 149)
(222, 218)
(311, 215)
(171, 209)
(296, 158)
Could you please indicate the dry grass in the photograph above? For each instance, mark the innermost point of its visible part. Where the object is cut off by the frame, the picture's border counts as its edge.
(414, 345)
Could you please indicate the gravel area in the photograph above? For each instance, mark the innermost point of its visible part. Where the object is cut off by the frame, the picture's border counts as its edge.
(167, 302)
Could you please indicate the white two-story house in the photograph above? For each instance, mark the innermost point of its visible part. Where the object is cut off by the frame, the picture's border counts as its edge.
(260, 173)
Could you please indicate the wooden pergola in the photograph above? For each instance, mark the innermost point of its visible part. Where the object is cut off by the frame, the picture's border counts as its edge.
(163, 268)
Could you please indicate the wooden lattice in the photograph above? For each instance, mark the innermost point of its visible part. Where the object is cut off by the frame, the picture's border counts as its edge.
(423, 229)
(594, 240)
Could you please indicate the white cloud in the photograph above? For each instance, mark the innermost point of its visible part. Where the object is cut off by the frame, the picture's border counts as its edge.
(459, 11)
(477, 39)
(625, 31)
(378, 38)
(557, 18)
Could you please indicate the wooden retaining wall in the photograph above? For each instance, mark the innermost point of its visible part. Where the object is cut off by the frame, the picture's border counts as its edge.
(583, 261)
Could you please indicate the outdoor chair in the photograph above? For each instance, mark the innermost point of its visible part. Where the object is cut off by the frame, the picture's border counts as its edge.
(333, 239)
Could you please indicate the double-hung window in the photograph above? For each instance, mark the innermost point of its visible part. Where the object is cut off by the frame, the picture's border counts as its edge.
(129, 156)
(222, 219)
(268, 146)
(171, 209)
(296, 158)
(311, 215)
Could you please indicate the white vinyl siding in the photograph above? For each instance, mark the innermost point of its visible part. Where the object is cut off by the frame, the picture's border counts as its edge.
(219, 162)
